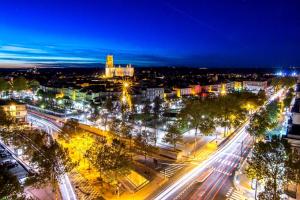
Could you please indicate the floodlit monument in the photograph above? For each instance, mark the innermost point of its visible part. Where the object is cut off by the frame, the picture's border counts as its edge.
(112, 71)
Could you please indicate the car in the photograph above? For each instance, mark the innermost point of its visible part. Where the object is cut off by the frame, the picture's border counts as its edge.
(3, 155)
(11, 164)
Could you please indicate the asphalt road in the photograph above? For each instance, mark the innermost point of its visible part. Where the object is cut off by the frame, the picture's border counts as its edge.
(19, 171)
(217, 184)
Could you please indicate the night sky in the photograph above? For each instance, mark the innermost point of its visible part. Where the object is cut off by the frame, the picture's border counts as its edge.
(198, 33)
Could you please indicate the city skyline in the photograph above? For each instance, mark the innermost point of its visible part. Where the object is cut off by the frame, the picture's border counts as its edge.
(156, 33)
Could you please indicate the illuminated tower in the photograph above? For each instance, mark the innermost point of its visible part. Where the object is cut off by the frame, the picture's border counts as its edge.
(109, 66)
(112, 71)
(109, 61)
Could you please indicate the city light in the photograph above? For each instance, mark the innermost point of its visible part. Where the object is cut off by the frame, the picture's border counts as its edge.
(212, 94)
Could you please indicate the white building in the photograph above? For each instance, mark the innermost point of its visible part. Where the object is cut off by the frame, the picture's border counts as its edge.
(152, 93)
(255, 86)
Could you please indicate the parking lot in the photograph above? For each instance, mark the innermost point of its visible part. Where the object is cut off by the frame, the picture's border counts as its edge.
(7, 160)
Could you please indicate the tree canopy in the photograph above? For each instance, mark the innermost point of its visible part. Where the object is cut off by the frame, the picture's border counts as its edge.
(275, 163)
(20, 84)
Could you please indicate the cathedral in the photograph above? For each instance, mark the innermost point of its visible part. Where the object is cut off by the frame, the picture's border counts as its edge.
(112, 71)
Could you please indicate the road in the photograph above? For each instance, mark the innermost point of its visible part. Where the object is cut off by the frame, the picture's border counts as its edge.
(65, 185)
(223, 170)
(223, 162)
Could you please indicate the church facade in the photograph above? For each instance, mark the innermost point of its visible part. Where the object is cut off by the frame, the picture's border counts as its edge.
(112, 71)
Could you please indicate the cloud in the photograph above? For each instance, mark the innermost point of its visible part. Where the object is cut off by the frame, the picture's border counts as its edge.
(69, 54)
(11, 48)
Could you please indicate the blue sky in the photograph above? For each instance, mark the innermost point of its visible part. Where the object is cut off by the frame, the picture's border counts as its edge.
(200, 33)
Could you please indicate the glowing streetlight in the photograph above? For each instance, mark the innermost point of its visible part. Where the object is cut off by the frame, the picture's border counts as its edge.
(126, 84)
(125, 98)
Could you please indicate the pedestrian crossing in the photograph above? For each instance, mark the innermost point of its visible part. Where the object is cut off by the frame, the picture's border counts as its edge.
(222, 171)
(227, 162)
(233, 194)
(171, 170)
(225, 166)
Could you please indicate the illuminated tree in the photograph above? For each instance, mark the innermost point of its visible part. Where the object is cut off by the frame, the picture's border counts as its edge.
(53, 161)
(258, 125)
(156, 112)
(95, 154)
(144, 144)
(288, 98)
(10, 186)
(273, 110)
(126, 132)
(229, 112)
(109, 106)
(70, 128)
(275, 163)
(200, 116)
(95, 111)
(5, 118)
(173, 135)
(113, 161)
(146, 114)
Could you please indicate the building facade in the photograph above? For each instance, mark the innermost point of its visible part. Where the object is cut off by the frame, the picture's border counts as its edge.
(255, 86)
(15, 110)
(112, 71)
(152, 93)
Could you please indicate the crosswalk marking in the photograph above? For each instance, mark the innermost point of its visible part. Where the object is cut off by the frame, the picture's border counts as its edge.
(234, 195)
(222, 171)
(171, 170)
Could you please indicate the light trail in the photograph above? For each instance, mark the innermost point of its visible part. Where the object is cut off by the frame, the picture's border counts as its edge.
(190, 176)
(65, 185)
(176, 188)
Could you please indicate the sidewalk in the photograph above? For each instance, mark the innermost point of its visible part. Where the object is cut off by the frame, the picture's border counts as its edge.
(242, 183)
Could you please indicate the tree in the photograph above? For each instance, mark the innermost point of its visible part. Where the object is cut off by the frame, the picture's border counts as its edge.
(95, 111)
(147, 108)
(288, 98)
(95, 154)
(273, 110)
(109, 106)
(114, 128)
(70, 128)
(200, 116)
(274, 162)
(34, 85)
(41, 93)
(261, 97)
(4, 86)
(20, 84)
(258, 125)
(279, 82)
(230, 112)
(5, 118)
(125, 131)
(156, 113)
(173, 135)
(143, 144)
(10, 186)
(113, 161)
(53, 161)
(146, 113)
